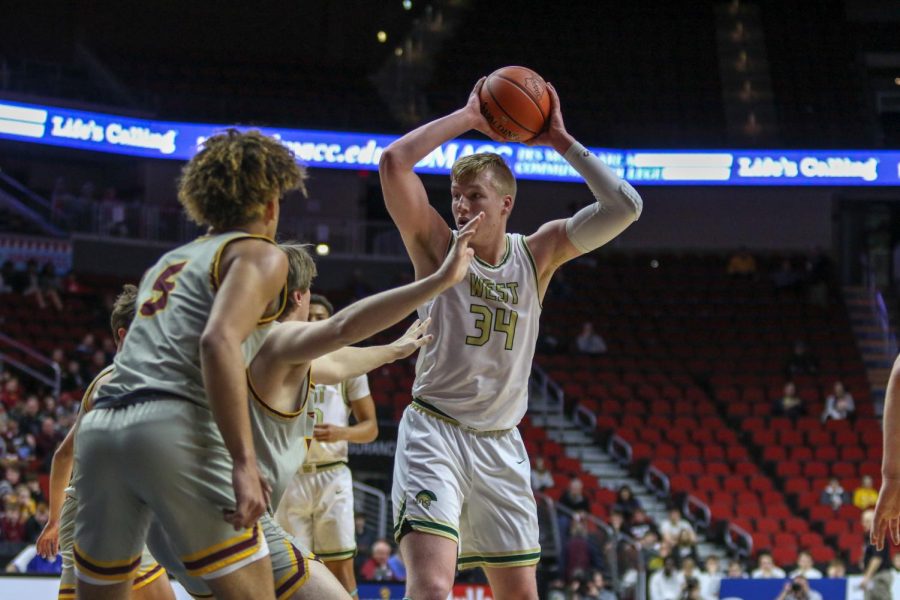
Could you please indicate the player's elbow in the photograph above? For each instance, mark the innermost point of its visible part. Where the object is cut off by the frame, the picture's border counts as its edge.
(631, 200)
(213, 342)
(392, 160)
(371, 433)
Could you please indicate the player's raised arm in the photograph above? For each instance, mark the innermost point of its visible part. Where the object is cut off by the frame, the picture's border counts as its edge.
(618, 204)
(351, 362)
(255, 272)
(425, 234)
(887, 510)
(298, 343)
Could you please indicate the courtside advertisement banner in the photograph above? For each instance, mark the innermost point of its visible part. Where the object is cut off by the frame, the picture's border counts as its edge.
(115, 134)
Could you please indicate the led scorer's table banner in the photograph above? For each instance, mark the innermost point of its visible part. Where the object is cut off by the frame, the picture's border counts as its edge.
(341, 150)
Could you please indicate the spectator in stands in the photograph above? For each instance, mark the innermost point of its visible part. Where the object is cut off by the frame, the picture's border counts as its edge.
(667, 583)
(686, 547)
(663, 550)
(580, 555)
(72, 378)
(672, 528)
(33, 285)
(27, 504)
(710, 579)
(766, 567)
(30, 419)
(597, 589)
(97, 364)
(589, 341)
(12, 392)
(805, 567)
(836, 569)
(834, 495)
(365, 537)
(798, 589)
(541, 477)
(649, 548)
(377, 567)
(690, 574)
(11, 478)
(785, 278)
(619, 524)
(801, 361)
(865, 496)
(47, 440)
(87, 346)
(742, 265)
(790, 404)
(878, 576)
(108, 346)
(574, 499)
(839, 404)
(12, 525)
(626, 503)
(35, 523)
(50, 285)
(641, 523)
(736, 570)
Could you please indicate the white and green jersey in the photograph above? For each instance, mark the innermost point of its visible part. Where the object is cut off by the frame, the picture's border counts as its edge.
(332, 404)
(485, 329)
(280, 438)
(161, 354)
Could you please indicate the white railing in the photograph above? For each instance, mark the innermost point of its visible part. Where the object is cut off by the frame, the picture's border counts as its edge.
(657, 481)
(52, 381)
(619, 449)
(734, 533)
(372, 503)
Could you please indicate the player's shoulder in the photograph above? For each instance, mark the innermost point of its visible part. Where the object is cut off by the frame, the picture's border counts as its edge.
(90, 392)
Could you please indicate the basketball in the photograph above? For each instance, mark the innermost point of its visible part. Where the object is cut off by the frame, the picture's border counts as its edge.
(515, 102)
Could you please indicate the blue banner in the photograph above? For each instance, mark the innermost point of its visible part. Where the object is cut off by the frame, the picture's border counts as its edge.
(770, 589)
(343, 150)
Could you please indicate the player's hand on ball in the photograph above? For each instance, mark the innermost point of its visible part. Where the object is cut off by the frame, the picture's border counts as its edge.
(327, 432)
(456, 265)
(473, 109)
(251, 491)
(48, 542)
(556, 128)
(887, 513)
(414, 338)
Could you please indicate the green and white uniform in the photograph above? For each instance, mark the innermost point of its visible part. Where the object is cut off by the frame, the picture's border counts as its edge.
(317, 506)
(151, 444)
(461, 469)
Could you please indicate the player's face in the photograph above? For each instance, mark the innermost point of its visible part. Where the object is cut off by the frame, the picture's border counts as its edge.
(317, 312)
(480, 195)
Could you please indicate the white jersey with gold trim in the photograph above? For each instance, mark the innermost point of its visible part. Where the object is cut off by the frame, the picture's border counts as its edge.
(485, 329)
(332, 404)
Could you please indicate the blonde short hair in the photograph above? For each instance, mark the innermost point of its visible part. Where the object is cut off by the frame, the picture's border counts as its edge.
(301, 268)
(468, 167)
(123, 309)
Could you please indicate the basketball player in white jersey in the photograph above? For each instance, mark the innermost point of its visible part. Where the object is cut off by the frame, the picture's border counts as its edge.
(170, 439)
(461, 475)
(317, 506)
(151, 582)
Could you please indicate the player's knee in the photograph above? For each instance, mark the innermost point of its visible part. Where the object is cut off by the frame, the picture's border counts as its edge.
(431, 587)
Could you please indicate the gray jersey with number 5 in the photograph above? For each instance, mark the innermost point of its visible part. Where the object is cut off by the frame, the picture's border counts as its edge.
(485, 329)
(161, 353)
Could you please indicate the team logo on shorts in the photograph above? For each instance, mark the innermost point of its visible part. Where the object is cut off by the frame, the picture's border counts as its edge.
(425, 498)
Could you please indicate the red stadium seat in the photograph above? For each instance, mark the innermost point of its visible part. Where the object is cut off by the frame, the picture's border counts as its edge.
(815, 469)
(822, 554)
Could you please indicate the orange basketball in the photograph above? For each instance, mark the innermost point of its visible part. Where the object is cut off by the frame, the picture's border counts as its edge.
(515, 102)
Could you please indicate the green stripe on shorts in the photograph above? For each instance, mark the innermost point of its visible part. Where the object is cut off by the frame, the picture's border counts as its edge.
(509, 560)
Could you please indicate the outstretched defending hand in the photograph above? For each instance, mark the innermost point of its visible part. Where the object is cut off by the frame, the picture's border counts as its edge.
(251, 491)
(414, 338)
(887, 513)
(456, 265)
